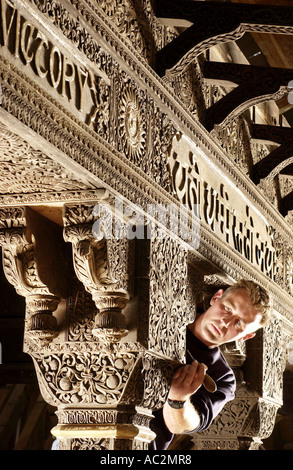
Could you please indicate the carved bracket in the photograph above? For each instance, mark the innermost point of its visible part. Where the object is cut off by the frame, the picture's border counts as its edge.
(92, 267)
(32, 263)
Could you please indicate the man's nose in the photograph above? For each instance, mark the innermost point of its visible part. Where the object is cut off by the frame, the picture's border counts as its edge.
(226, 319)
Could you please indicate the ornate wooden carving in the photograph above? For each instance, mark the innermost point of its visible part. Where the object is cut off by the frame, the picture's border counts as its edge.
(110, 122)
(229, 22)
(91, 263)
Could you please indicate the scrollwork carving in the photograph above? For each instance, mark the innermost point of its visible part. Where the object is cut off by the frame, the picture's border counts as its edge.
(274, 360)
(26, 170)
(89, 444)
(18, 252)
(168, 278)
(85, 378)
(157, 377)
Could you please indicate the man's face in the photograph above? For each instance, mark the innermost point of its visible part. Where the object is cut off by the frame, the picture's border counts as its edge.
(230, 317)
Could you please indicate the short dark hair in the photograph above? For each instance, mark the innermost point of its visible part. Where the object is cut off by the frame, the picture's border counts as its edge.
(258, 295)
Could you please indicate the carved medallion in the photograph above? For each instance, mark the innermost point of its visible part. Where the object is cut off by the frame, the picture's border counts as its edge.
(132, 125)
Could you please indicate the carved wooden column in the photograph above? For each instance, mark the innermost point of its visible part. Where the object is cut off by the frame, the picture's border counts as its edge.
(111, 373)
(105, 334)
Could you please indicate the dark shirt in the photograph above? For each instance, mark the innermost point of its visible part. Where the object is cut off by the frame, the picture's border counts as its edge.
(208, 405)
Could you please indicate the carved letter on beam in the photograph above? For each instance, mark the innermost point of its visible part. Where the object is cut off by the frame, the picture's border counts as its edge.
(213, 23)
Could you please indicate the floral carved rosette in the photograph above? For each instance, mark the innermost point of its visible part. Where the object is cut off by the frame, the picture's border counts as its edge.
(132, 124)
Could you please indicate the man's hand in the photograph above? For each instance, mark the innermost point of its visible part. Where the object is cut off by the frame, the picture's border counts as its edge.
(187, 380)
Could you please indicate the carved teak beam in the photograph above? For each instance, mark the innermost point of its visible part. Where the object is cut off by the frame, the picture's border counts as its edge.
(267, 133)
(278, 156)
(279, 159)
(213, 23)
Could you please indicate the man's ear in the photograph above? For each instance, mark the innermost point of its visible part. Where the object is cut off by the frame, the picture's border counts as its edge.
(246, 337)
(217, 296)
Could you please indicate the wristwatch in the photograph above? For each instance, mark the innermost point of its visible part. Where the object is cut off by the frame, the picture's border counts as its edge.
(176, 404)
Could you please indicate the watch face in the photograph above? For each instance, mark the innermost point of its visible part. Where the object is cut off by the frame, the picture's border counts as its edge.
(176, 404)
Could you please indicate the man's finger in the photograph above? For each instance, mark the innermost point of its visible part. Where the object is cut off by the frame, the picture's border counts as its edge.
(181, 372)
(191, 373)
(200, 373)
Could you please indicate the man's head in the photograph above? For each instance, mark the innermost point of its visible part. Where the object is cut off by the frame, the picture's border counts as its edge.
(234, 314)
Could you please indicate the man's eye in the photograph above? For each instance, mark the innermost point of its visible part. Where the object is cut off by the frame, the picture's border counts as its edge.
(239, 325)
(228, 309)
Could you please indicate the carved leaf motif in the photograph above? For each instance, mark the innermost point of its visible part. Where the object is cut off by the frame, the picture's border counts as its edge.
(86, 378)
(91, 264)
(90, 444)
(25, 170)
(81, 313)
(19, 261)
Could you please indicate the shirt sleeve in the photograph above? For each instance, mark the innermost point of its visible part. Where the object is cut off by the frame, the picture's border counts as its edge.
(163, 435)
(209, 405)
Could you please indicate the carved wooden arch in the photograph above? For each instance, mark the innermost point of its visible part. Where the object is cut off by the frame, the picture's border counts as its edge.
(280, 158)
(212, 23)
(255, 84)
(278, 161)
